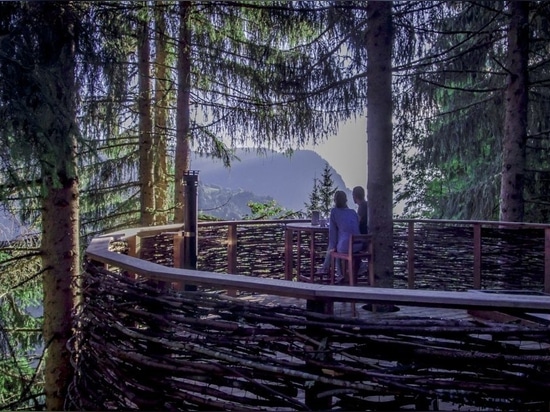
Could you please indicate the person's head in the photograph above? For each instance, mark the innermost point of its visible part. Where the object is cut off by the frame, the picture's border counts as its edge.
(340, 199)
(358, 194)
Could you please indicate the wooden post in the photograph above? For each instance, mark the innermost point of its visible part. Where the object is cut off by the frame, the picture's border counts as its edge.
(547, 260)
(372, 278)
(134, 245)
(289, 256)
(312, 256)
(298, 256)
(477, 256)
(134, 250)
(232, 253)
(410, 255)
(232, 248)
(179, 251)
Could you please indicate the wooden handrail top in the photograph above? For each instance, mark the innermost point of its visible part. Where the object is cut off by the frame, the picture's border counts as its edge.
(147, 231)
(493, 223)
(98, 251)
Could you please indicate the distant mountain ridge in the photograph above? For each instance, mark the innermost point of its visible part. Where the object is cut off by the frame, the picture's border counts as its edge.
(224, 193)
(286, 179)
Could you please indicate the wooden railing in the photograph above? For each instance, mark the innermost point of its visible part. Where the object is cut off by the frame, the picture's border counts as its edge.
(138, 346)
(158, 259)
(485, 254)
(428, 254)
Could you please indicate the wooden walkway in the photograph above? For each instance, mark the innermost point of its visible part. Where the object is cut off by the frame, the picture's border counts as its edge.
(345, 309)
(362, 311)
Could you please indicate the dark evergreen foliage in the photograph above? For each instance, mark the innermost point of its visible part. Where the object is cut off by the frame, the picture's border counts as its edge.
(451, 75)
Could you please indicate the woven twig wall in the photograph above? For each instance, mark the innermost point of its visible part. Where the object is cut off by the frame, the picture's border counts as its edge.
(140, 348)
(443, 255)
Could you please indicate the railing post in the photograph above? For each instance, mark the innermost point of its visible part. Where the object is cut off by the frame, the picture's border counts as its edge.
(547, 260)
(289, 256)
(232, 253)
(134, 245)
(134, 250)
(477, 256)
(179, 252)
(410, 255)
(232, 248)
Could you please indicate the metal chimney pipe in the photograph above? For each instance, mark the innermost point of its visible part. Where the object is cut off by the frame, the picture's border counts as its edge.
(190, 186)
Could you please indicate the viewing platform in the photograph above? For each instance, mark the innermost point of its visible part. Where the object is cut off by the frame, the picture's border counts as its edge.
(471, 313)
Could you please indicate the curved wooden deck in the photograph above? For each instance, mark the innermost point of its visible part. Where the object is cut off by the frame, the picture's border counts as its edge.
(144, 340)
(98, 250)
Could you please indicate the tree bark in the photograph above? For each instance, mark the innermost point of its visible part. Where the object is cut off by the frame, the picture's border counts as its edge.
(183, 132)
(60, 259)
(379, 137)
(161, 115)
(60, 203)
(515, 121)
(146, 168)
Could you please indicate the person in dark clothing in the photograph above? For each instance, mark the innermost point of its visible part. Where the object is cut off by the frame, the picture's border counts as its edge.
(358, 194)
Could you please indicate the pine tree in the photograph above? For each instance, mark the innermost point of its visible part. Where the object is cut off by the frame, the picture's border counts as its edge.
(163, 95)
(514, 141)
(38, 101)
(51, 65)
(314, 198)
(450, 134)
(326, 191)
(145, 119)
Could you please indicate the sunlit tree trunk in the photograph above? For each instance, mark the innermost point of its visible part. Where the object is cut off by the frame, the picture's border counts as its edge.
(515, 121)
(183, 132)
(161, 115)
(147, 193)
(60, 205)
(379, 136)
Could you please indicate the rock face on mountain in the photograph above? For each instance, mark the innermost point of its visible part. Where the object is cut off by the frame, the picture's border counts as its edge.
(286, 179)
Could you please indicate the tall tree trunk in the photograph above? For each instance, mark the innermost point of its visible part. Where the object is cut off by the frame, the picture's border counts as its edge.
(60, 251)
(60, 205)
(379, 136)
(515, 121)
(161, 115)
(146, 171)
(183, 132)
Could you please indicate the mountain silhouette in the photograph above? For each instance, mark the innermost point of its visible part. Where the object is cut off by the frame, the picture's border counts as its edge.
(225, 192)
(288, 179)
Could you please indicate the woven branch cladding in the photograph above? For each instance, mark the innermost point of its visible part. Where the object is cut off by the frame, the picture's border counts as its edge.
(139, 348)
(512, 258)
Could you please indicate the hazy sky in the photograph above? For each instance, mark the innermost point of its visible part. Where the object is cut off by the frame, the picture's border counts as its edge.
(347, 152)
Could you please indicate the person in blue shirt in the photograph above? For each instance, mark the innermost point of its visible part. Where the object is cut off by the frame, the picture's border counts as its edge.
(343, 223)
